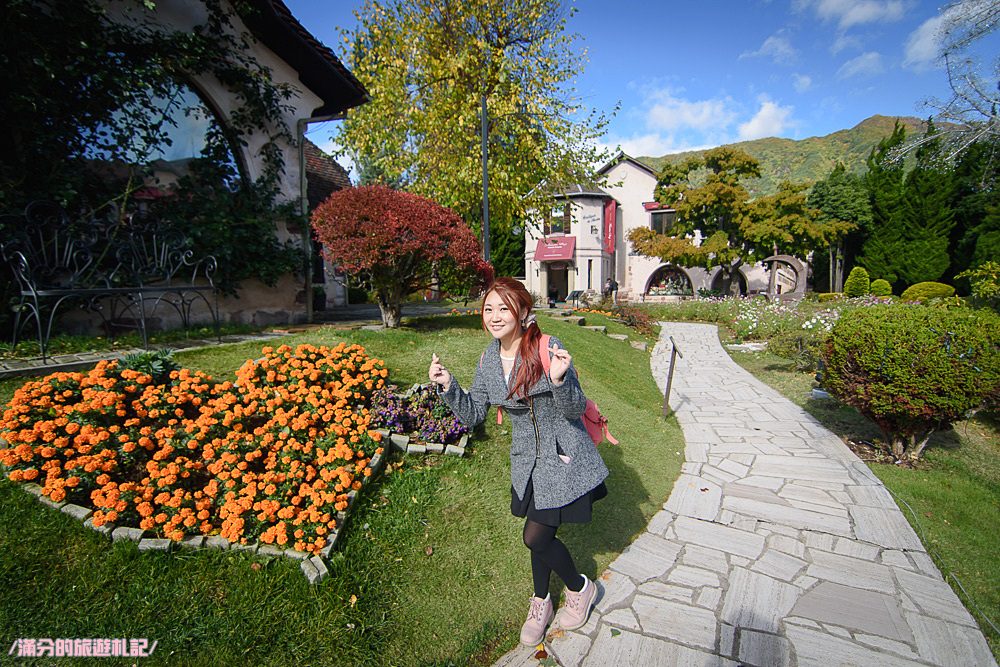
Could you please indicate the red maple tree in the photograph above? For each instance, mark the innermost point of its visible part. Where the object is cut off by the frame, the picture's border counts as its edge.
(395, 243)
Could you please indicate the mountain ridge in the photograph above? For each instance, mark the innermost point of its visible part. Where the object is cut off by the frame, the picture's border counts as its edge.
(810, 159)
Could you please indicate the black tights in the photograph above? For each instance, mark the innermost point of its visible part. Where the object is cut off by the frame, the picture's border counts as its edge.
(548, 554)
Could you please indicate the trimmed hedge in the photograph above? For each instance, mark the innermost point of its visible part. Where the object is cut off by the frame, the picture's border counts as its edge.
(857, 282)
(913, 369)
(881, 287)
(927, 290)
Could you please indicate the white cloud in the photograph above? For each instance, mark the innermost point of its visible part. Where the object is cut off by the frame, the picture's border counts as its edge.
(867, 64)
(802, 82)
(652, 144)
(776, 47)
(669, 113)
(924, 44)
(770, 121)
(844, 42)
(849, 13)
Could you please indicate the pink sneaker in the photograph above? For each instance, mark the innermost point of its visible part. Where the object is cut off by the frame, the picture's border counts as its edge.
(576, 608)
(539, 616)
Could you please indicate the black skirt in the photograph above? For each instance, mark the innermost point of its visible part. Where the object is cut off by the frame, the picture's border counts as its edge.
(578, 511)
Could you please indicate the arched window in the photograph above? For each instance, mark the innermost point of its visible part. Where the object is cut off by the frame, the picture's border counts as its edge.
(669, 281)
(160, 141)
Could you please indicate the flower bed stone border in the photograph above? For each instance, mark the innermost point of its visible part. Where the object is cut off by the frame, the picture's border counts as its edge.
(401, 442)
(313, 567)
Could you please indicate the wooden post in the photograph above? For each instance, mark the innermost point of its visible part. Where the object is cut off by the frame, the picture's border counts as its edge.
(674, 353)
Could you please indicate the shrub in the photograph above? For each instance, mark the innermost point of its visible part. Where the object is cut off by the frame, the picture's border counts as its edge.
(985, 283)
(912, 369)
(857, 283)
(927, 290)
(830, 296)
(880, 287)
(637, 318)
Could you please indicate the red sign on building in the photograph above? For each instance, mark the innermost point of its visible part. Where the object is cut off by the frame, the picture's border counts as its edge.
(610, 211)
(555, 249)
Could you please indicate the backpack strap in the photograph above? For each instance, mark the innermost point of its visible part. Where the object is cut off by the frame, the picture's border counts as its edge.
(543, 353)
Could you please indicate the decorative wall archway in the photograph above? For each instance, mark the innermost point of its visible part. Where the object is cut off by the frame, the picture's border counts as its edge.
(786, 277)
(669, 280)
(740, 286)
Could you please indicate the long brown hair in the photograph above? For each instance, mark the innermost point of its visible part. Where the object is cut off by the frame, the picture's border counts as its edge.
(519, 300)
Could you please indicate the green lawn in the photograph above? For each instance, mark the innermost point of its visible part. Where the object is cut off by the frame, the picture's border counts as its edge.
(952, 499)
(430, 570)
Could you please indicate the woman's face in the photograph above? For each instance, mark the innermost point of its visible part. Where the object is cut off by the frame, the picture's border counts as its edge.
(500, 321)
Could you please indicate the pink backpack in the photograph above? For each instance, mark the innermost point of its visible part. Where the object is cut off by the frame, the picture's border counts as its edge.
(595, 423)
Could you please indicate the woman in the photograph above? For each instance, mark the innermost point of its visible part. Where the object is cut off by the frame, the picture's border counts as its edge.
(556, 472)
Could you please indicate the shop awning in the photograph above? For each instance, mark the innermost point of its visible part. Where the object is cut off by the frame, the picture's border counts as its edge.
(555, 249)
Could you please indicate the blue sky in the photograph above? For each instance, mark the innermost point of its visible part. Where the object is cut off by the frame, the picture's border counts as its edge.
(692, 75)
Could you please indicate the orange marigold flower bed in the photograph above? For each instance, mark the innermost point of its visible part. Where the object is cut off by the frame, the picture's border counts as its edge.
(272, 455)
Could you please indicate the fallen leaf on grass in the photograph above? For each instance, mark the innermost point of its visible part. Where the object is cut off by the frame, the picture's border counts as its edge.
(255, 567)
(429, 550)
(354, 600)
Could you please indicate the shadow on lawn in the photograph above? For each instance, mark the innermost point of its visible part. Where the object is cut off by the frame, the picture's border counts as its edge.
(438, 323)
(617, 521)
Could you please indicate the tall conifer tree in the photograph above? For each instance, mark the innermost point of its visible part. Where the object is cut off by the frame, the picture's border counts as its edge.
(925, 216)
(885, 191)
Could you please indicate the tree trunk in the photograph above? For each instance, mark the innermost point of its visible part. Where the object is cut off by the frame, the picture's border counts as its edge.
(391, 311)
(838, 283)
(772, 281)
(831, 277)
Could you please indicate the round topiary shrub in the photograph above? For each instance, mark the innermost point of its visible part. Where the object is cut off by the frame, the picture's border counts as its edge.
(857, 282)
(927, 290)
(913, 369)
(880, 287)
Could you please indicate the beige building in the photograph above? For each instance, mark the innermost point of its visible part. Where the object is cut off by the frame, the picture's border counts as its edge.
(583, 242)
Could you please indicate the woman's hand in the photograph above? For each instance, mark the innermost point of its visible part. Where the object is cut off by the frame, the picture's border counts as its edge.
(559, 364)
(438, 373)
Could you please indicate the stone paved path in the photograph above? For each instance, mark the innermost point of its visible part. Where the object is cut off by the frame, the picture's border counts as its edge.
(776, 547)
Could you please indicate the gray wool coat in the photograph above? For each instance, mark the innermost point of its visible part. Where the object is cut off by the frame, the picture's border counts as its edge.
(544, 424)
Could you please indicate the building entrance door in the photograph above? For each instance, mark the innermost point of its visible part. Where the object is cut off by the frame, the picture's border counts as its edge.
(558, 281)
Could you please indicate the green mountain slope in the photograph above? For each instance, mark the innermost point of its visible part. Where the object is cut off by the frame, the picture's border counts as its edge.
(808, 160)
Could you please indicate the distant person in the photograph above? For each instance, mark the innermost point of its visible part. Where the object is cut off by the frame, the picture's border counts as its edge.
(607, 288)
(555, 468)
(613, 290)
(553, 295)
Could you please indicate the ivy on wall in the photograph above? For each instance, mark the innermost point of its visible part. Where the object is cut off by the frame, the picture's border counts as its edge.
(89, 103)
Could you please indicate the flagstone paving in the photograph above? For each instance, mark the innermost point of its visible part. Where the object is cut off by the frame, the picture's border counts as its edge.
(777, 547)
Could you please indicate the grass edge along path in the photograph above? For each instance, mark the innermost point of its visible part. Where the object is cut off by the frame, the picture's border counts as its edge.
(952, 499)
(431, 569)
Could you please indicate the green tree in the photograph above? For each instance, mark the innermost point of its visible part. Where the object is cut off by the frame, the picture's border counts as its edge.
(925, 217)
(842, 200)
(884, 181)
(712, 202)
(787, 224)
(430, 65)
(975, 238)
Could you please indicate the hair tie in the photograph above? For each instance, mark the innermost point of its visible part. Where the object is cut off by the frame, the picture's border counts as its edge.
(528, 321)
